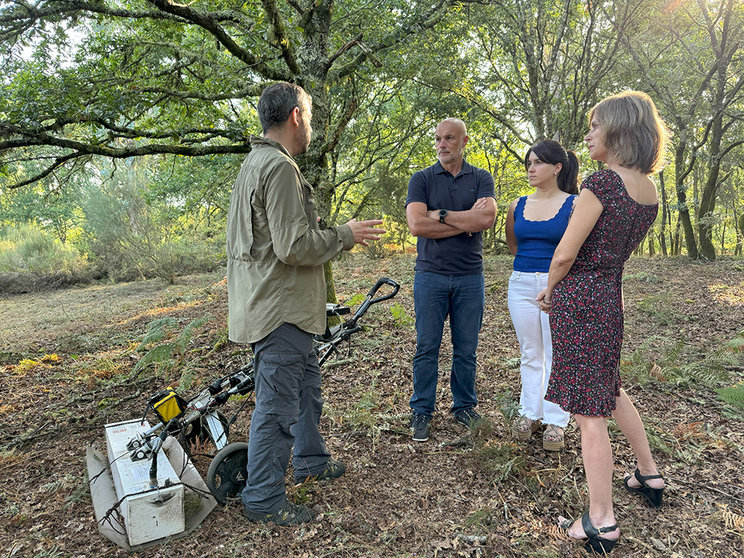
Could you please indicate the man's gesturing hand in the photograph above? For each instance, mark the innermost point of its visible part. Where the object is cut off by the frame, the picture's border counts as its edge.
(365, 230)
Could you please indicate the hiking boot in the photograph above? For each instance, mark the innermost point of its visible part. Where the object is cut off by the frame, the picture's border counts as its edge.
(287, 514)
(333, 470)
(468, 417)
(420, 427)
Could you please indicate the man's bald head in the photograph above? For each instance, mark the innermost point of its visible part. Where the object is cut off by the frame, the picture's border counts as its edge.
(456, 122)
(450, 139)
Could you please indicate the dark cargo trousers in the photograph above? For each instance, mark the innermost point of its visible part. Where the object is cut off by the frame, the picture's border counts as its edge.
(288, 408)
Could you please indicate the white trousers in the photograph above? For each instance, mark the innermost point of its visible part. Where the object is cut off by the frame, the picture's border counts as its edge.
(533, 332)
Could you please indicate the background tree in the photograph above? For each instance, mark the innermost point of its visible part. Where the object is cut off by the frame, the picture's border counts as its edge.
(544, 64)
(138, 78)
(690, 55)
(88, 81)
(124, 79)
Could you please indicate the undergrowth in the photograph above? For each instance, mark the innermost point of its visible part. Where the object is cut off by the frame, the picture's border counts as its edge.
(171, 354)
(497, 458)
(672, 365)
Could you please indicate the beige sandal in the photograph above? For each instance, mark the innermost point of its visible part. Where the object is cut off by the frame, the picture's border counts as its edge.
(525, 428)
(553, 438)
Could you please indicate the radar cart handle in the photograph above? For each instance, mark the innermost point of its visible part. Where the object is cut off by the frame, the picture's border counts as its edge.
(369, 301)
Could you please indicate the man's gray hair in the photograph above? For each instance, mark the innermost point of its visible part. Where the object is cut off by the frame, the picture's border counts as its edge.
(278, 101)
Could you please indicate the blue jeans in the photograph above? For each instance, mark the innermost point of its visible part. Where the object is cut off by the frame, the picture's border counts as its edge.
(288, 408)
(462, 298)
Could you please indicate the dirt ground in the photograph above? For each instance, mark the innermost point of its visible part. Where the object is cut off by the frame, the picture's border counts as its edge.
(67, 363)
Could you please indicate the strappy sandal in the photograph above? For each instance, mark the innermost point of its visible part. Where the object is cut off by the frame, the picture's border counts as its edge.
(525, 428)
(553, 438)
(652, 495)
(594, 542)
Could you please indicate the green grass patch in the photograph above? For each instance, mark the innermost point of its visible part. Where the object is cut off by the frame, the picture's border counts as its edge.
(642, 277)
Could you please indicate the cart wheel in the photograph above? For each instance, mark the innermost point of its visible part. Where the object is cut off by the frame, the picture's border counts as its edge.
(226, 474)
(197, 432)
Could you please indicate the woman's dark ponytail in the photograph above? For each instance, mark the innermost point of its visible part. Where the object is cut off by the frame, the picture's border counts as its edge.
(568, 178)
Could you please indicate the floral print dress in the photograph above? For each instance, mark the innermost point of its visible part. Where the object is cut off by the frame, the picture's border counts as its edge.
(586, 321)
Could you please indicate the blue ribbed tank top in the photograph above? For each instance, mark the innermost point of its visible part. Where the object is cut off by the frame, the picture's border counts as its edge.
(537, 240)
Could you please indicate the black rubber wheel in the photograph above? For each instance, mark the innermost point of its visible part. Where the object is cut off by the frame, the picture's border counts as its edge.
(197, 433)
(226, 474)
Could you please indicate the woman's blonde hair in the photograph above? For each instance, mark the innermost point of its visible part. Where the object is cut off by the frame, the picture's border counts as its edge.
(632, 130)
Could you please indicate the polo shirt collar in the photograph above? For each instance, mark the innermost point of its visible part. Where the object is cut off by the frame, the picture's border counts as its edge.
(467, 168)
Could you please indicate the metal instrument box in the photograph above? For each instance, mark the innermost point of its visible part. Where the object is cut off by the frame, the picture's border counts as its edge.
(148, 513)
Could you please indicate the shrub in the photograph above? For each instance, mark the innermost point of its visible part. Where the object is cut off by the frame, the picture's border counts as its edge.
(28, 249)
(129, 238)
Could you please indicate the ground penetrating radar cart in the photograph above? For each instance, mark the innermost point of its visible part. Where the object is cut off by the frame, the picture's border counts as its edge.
(144, 486)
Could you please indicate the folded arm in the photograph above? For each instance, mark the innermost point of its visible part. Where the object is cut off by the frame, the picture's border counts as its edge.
(425, 222)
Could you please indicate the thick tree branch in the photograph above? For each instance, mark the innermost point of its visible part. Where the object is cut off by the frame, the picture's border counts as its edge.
(280, 35)
(248, 91)
(212, 26)
(355, 41)
(20, 137)
(58, 162)
(351, 108)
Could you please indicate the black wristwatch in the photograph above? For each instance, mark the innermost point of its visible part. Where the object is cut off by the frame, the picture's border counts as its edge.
(442, 215)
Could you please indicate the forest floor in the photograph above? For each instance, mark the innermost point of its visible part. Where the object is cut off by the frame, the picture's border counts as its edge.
(67, 361)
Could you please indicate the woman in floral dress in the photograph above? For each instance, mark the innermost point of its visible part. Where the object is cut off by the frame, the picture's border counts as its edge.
(614, 211)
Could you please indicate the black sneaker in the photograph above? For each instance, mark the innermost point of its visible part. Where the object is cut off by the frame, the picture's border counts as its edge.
(333, 470)
(468, 417)
(420, 427)
(287, 514)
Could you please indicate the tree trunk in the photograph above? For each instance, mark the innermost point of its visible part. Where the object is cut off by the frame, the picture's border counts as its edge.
(664, 209)
(684, 211)
(313, 59)
(706, 215)
(723, 234)
(725, 42)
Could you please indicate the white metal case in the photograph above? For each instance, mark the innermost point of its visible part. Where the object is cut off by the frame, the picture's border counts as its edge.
(149, 514)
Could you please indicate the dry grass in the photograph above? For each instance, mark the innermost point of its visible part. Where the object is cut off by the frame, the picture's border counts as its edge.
(449, 497)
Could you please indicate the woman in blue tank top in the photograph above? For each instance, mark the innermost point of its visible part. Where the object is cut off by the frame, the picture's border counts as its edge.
(534, 227)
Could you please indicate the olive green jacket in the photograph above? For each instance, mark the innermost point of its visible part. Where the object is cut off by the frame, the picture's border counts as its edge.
(275, 249)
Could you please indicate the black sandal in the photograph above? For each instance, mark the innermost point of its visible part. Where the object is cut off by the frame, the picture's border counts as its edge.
(594, 542)
(653, 495)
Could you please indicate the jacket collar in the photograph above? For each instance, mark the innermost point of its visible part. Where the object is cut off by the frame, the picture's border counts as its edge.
(260, 141)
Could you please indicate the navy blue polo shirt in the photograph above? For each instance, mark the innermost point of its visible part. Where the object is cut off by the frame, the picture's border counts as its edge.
(438, 189)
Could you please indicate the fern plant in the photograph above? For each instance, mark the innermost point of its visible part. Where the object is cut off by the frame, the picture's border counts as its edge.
(169, 354)
(156, 331)
(733, 395)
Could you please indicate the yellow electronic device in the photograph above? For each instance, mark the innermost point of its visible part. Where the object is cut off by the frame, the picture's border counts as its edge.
(167, 405)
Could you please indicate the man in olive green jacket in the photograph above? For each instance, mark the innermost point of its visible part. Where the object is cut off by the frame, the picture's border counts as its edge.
(276, 302)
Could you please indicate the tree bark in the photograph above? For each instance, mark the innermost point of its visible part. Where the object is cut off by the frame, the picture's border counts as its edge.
(664, 209)
(684, 210)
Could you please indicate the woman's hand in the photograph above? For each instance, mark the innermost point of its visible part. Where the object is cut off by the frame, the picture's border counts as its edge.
(545, 301)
